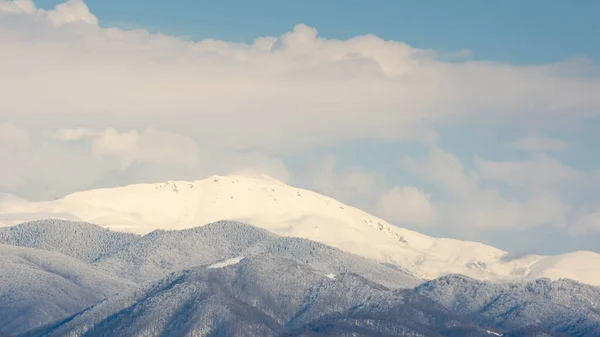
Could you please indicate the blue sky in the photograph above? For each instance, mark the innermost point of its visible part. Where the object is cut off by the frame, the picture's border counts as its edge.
(497, 145)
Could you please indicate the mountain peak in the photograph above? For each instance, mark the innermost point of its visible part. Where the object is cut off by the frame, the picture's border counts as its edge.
(268, 203)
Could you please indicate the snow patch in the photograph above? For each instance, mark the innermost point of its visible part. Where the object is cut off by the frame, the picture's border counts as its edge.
(226, 263)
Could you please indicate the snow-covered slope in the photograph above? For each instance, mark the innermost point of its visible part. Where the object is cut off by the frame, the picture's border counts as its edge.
(562, 306)
(84, 241)
(268, 295)
(226, 242)
(267, 203)
(245, 299)
(38, 287)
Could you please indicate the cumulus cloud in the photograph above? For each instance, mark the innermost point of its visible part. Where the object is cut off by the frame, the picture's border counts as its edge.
(348, 184)
(64, 13)
(541, 144)
(71, 11)
(252, 163)
(150, 146)
(407, 206)
(66, 160)
(279, 93)
(470, 204)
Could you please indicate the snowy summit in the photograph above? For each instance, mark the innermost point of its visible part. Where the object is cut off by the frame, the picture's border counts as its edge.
(289, 211)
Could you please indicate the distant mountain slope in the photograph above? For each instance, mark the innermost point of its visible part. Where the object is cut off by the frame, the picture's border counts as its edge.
(289, 211)
(562, 306)
(161, 252)
(399, 313)
(246, 299)
(229, 278)
(38, 287)
(84, 241)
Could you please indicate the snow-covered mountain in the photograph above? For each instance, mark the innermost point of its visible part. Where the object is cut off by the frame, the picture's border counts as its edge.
(155, 255)
(562, 306)
(288, 211)
(161, 252)
(38, 287)
(232, 279)
(83, 241)
(244, 298)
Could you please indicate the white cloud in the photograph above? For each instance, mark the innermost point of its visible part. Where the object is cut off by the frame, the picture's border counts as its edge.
(64, 13)
(487, 209)
(151, 146)
(407, 206)
(348, 184)
(71, 11)
(472, 205)
(74, 134)
(362, 183)
(67, 160)
(17, 6)
(445, 169)
(541, 144)
(588, 222)
(279, 94)
(252, 163)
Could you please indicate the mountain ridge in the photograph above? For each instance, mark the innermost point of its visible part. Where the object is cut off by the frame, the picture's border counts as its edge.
(229, 278)
(289, 211)
(37, 286)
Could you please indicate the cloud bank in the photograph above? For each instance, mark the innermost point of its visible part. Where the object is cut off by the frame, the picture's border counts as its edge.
(85, 105)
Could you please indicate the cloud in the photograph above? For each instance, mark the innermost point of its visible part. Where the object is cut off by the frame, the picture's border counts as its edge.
(67, 160)
(18, 6)
(470, 204)
(253, 163)
(281, 94)
(407, 206)
(66, 134)
(122, 106)
(541, 144)
(151, 146)
(542, 171)
(64, 13)
(444, 169)
(15, 149)
(587, 222)
(349, 184)
(71, 11)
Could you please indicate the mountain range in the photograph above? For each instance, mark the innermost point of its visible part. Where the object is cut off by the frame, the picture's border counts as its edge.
(240, 256)
(233, 279)
(292, 212)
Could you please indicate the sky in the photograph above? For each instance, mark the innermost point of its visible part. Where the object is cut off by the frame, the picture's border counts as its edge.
(474, 120)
